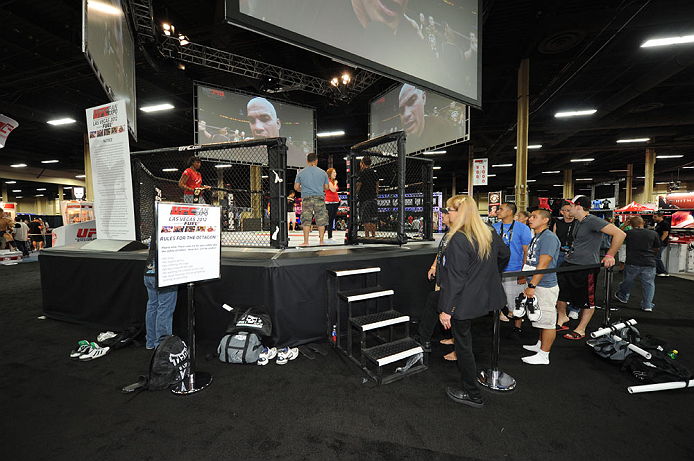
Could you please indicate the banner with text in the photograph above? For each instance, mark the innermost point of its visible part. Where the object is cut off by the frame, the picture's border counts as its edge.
(188, 243)
(493, 204)
(479, 173)
(111, 176)
(7, 124)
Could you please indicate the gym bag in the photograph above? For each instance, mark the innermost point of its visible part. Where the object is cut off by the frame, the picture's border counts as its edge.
(660, 368)
(241, 347)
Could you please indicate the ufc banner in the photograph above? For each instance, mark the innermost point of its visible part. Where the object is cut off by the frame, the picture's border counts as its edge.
(6, 126)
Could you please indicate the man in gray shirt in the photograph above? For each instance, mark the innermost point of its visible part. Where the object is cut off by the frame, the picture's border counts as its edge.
(312, 182)
(578, 287)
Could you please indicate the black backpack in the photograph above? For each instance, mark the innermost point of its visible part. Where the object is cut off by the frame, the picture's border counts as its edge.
(169, 367)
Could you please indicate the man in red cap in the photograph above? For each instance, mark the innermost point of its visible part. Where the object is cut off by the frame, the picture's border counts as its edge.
(578, 287)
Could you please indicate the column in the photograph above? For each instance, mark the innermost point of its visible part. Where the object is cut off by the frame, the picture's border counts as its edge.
(256, 185)
(649, 181)
(568, 184)
(522, 135)
(630, 177)
(89, 192)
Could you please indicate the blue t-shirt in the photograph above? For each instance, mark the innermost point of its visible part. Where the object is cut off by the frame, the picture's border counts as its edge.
(312, 179)
(514, 235)
(545, 243)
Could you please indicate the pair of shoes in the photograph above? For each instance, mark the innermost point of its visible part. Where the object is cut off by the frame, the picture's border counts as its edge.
(426, 345)
(516, 334)
(562, 328)
(616, 296)
(460, 396)
(647, 309)
(532, 347)
(573, 315)
(537, 359)
(664, 274)
(101, 337)
(266, 355)
(82, 347)
(150, 348)
(574, 336)
(287, 354)
(95, 351)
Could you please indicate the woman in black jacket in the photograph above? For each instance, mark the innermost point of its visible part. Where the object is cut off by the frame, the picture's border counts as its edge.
(470, 287)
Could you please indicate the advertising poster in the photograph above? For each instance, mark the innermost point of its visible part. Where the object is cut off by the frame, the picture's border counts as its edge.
(110, 155)
(188, 243)
(479, 172)
(7, 124)
(494, 204)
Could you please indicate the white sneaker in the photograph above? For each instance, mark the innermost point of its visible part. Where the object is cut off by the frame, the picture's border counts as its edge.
(573, 315)
(664, 274)
(537, 359)
(266, 355)
(82, 347)
(532, 347)
(95, 352)
(105, 335)
(287, 354)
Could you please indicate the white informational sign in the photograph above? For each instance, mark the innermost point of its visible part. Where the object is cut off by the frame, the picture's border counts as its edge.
(188, 239)
(107, 126)
(6, 126)
(479, 172)
(74, 233)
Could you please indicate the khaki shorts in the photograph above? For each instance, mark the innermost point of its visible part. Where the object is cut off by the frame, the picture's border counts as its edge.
(314, 206)
(547, 299)
(512, 290)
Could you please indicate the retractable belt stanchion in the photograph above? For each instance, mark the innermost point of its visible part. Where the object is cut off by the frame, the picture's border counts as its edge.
(608, 292)
(197, 381)
(492, 378)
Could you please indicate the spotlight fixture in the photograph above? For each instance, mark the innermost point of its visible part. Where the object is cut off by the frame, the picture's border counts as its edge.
(183, 40)
(575, 113)
(168, 29)
(346, 79)
(334, 81)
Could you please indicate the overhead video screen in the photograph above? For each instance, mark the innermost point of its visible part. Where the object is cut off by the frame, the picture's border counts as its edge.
(223, 115)
(431, 43)
(429, 120)
(109, 47)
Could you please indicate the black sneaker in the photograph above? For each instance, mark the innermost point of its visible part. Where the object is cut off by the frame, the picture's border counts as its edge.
(516, 334)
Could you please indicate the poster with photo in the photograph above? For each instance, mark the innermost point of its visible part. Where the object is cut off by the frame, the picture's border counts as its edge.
(188, 242)
(494, 203)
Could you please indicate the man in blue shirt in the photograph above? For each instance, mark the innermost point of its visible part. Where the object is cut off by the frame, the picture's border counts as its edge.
(312, 182)
(516, 236)
(543, 252)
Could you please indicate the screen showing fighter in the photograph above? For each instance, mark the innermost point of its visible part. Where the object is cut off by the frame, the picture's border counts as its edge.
(432, 43)
(427, 118)
(227, 116)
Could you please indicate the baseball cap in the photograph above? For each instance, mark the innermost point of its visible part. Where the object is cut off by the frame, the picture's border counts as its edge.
(581, 200)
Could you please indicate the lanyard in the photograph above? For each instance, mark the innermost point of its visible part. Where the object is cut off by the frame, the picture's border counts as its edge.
(507, 236)
(531, 247)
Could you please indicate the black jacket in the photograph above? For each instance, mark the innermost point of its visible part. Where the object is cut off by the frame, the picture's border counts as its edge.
(471, 287)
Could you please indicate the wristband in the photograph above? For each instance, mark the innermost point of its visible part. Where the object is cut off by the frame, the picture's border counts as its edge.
(609, 256)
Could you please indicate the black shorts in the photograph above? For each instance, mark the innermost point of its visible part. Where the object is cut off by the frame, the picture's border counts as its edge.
(577, 287)
(36, 238)
(368, 211)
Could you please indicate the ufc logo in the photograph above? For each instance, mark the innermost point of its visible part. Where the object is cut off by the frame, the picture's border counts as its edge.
(217, 93)
(83, 233)
(183, 210)
(5, 128)
(101, 112)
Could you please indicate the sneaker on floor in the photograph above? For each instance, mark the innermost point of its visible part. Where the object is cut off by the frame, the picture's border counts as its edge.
(573, 315)
(516, 334)
(537, 359)
(616, 296)
(95, 352)
(287, 354)
(266, 355)
(664, 275)
(647, 309)
(82, 347)
(105, 335)
(532, 347)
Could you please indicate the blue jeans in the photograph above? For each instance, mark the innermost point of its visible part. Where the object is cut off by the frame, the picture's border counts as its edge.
(659, 265)
(161, 304)
(647, 276)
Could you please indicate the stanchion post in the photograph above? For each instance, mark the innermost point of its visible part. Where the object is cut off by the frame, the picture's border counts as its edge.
(492, 378)
(608, 292)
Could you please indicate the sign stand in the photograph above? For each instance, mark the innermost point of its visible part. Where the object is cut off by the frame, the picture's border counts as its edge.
(492, 378)
(199, 380)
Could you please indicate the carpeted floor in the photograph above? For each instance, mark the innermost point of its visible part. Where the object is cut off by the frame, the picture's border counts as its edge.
(575, 408)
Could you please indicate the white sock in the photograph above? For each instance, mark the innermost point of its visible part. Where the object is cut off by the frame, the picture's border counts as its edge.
(543, 353)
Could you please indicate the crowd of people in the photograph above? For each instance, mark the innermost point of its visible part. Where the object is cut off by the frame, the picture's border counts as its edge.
(23, 234)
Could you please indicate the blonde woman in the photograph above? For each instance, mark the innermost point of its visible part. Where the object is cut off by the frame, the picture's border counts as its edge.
(470, 287)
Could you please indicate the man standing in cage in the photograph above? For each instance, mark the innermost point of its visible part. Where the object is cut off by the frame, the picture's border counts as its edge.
(312, 182)
(367, 192)
(191, 182)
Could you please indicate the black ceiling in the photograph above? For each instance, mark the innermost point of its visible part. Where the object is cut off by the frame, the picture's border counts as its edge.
(583, 54)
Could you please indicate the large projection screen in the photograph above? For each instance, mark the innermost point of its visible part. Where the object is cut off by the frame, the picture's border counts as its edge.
(429, 120)
(224, 115)
(431, 43)
(108, 44)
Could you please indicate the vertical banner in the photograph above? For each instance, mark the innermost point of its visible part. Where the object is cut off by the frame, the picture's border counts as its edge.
(6, 126)
(189, 243)
(107, 126)
(494, 204)
(479, 172)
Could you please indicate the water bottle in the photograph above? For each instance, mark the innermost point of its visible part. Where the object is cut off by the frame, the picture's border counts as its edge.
(673, 354)
(333, 336)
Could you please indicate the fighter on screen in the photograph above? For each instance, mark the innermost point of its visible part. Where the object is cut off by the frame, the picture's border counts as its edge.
(264, 123)
(422, 132)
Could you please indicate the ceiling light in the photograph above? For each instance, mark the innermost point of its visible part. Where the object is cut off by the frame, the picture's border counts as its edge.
(618, 171)
(43, 188)
(669, 156)
(359, 157)
(81, 176)
(531, 180)
(668, 41)
(15, 182)
(67, 187)
(61, 121)
(223, 165)
(434, 177)
(264, 176)
(551, 172)
(437, 167)
(502, 165)
(327, 134)
(531, 146)
(334, 81)
(19, 196)
(619, 141)
(434, 152)
(104, 8)
(682, 167)
(183, 40)
(584, 179)
(50, 161)
(39, 195)
(168, 29)
(575, 113)
(576, 160)
(542, 190)
(558, 185)
(640, 177)
(491, 175)
(157, 107)
(16, 190)
(663, 182)
(345, 79)
(18, 165)
(169, 169)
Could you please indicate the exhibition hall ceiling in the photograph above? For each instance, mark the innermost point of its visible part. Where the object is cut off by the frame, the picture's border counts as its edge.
(583, 54)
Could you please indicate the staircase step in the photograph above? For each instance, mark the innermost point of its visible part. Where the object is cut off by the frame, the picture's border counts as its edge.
(392, 352)
(379, 320)
(365, 293)
(348, 272)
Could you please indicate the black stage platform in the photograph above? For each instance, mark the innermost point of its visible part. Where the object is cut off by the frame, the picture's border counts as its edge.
(105, 289)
